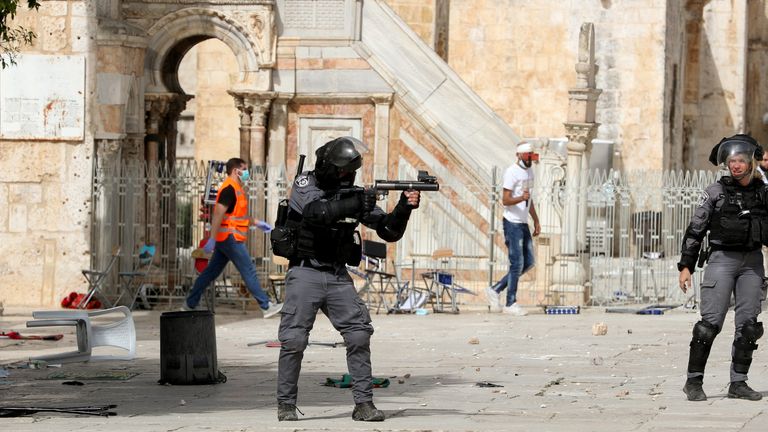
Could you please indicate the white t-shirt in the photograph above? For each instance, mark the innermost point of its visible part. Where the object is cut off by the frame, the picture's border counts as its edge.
(517, 179)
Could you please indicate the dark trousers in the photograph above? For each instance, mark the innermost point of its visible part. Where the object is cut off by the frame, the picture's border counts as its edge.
(333, 292)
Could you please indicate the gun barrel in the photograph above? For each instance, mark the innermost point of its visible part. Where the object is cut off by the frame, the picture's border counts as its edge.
(387, 185)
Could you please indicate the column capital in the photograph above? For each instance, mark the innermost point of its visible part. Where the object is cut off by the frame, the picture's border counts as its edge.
(580, 136)
(253, 106)
(160, 106)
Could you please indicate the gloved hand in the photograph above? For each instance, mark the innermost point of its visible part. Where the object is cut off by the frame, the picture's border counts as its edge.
(368, 200)
(209, 245)
(410, 199)
(264, 226)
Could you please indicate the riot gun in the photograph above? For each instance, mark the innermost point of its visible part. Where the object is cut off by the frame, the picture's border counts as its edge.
(424, 183)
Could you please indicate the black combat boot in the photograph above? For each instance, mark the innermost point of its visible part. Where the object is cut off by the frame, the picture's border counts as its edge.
(740, 390)
(286, 412)
(693, 389)
(367, 411)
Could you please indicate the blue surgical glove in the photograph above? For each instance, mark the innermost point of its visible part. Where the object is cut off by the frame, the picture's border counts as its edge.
(264, 226)
(208, 248)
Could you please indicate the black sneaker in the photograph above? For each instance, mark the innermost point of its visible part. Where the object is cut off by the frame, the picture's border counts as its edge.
(286, 412)
(367, 411)
(740, 390)
(693, 389)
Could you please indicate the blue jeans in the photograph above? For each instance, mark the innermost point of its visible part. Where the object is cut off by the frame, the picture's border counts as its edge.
(517, 237)
(225, 251)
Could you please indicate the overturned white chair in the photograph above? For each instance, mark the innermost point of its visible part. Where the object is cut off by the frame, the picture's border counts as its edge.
(120, 333)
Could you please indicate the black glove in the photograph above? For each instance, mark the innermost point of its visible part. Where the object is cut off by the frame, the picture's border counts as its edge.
(368, 200)
(404, 202)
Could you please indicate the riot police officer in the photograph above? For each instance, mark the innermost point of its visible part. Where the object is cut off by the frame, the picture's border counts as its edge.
(326, 239)
(733, 211)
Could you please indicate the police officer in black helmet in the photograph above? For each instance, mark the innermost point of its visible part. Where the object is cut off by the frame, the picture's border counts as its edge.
(733, 211)
(327, 239)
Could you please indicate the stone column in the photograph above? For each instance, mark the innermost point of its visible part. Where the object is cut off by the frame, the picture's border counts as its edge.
(104, 216)
(162, 112)
(381, 138)
(569, 273)
(254, 107)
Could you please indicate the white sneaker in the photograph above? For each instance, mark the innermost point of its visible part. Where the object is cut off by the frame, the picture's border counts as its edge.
(515, 310)
(185, 308)
(493, 299)
(273, 310)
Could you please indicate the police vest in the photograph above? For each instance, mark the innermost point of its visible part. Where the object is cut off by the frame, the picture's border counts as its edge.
(338, 243)
(237, 222)
(741, 223)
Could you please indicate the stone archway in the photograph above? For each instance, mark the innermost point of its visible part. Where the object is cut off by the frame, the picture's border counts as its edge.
(249, 37)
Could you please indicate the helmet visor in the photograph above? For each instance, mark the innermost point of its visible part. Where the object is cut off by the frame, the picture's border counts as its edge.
(735, 148)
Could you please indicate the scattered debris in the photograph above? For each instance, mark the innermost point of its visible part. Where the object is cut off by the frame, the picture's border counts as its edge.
(182, 402)
(346, 382)
(473, 341)
(487, 384)
(94, 410)
(84, 376)
(599, 329)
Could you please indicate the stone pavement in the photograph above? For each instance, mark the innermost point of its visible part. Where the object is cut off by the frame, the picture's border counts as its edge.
(556, 376)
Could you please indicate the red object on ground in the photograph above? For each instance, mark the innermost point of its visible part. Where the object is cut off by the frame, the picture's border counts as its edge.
(73, 300)
(16, 335)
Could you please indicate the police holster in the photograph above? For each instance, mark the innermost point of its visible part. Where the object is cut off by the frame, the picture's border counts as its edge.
(283, 237)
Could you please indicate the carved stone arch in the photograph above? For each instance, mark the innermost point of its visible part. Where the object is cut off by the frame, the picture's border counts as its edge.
(174, 34)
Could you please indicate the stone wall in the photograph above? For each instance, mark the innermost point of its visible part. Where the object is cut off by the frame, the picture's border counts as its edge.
(45, 185)
(217, 121)
(419, 15)
(518, 56)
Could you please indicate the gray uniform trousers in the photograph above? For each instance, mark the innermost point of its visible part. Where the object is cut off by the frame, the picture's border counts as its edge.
(737, 273)
(308, 290)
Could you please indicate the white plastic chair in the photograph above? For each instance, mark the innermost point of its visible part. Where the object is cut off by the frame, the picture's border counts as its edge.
(120, 333)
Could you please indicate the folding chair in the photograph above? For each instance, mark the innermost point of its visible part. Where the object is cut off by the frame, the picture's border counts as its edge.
(441, 286)
(382, 288)
(96, 280)
(134, 283)
(120, 333)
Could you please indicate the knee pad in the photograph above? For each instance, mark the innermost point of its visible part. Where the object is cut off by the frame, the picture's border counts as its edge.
(704, 333)
(751, 331)
(743, 347)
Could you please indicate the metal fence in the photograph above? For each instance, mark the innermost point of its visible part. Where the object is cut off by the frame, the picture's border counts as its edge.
(163, 206)
(626, 227)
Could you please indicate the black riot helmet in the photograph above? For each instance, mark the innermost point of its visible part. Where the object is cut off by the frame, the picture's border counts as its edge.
(739, 145)
(337, 161)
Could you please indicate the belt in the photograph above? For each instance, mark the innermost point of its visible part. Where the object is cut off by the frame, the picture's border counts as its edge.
(308, 264)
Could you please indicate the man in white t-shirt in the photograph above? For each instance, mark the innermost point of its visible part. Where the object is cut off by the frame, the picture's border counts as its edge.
(517, 183)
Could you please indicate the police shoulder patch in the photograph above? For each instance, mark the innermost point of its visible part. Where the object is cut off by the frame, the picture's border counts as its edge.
(704, 197)
(302, 181)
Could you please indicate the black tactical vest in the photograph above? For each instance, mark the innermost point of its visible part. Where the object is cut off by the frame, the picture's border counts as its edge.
(741, 223)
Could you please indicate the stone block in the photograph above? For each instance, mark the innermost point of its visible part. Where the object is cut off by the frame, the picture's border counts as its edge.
(79, 34)
(53, 33)
(4, 201)
(53, 8)
(25, 193)
(17, 214)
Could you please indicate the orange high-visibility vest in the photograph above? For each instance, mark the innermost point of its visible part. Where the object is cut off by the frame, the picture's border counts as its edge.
(235, 223)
